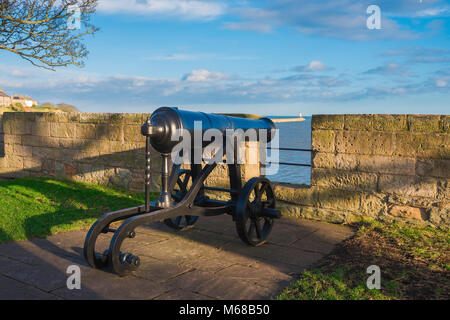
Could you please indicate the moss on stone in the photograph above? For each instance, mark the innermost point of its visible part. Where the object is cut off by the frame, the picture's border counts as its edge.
(389, 122)
(326, 121)
(363, 122)
(424, 123)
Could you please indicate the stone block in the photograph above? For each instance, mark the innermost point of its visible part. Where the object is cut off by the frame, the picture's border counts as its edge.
(347, 161)
(48, 166)
(344, 180)
(390, 122)
(434, 146)
(115, 118)
(358, 122)
(408, 212)
(18, 127)
(339, 199)
(8, 149)
(61, 117)
(135, 118)
(45, 153)
(91, 118)
(34, 141)
(63, 130)
(86, 131)
(110, 132)
(74, 117)
(444, 189)
(323, 160)
(445, 124)
(40, 128)
(23, 151)
(327, 122)
(66, 143)
(365, 142)
(13, 139)
(12, 162)
(408, 185)
(40, 116)
(67, 155)
(121, 178)
(440, 216)
(387, 164)
(50, 142)
(424, 123)
(311, 213)
(434, 168)
(70, 170)
(304, 196)
(32, 164)
(132, 133)
(373, 204)
(323, 140)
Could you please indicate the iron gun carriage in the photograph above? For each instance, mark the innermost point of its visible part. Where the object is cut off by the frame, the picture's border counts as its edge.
(182, 198)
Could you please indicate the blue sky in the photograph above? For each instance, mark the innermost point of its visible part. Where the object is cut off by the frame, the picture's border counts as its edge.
(276, 57)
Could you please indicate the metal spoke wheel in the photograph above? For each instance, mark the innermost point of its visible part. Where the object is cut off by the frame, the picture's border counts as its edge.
(181, 222)
(252, 226)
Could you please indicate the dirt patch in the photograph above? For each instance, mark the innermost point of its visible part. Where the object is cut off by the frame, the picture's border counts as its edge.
(414, 264)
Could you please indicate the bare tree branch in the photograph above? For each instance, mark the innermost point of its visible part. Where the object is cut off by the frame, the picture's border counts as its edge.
(41, 31)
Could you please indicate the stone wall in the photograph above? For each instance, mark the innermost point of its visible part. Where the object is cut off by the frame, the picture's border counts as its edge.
(106, 149)
(385, 166)
(393, 167)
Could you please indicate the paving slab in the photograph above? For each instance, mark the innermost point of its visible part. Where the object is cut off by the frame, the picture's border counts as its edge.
(209, 261)
(11, 289)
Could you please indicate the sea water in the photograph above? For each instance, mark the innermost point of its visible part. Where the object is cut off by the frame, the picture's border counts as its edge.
(294, 135)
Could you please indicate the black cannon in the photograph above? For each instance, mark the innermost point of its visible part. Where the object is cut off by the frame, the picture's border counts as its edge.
(182, 199)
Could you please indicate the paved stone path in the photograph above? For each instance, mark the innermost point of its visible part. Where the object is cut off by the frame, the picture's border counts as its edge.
(206, 262)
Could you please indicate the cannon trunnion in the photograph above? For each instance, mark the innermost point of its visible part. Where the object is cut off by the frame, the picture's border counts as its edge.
(182, 199)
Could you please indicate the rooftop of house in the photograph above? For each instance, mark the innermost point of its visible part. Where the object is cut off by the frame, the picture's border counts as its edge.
(3, 94)
(14, 96)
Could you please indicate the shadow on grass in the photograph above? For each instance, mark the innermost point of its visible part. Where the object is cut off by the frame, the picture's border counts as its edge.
(40, 207)
(32, 209)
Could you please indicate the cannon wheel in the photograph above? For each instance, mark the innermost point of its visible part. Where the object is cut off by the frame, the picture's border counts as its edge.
(181, 222)
(251, 227)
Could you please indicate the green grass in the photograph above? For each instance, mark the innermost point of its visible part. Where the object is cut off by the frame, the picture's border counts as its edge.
(413, 260)
(317, 285)
(38, 207)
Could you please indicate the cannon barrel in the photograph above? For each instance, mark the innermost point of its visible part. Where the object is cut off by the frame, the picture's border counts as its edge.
(165, 121)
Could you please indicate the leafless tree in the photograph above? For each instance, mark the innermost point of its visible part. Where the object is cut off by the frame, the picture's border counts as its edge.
(47, 33)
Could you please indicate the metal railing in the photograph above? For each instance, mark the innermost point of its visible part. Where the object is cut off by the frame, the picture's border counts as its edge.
(289, 163)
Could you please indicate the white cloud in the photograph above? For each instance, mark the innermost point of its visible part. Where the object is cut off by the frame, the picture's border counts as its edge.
(390, 69)
(335, 18)
(314, 65)
(441, 83)
(186, 9)
(16, 73)
(204, 76)
(208, 87)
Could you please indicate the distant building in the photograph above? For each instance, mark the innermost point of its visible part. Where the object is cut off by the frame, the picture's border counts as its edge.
(6, 100)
